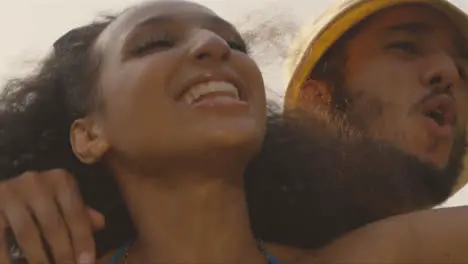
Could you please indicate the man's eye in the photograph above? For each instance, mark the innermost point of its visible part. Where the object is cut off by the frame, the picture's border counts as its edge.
(405, 46)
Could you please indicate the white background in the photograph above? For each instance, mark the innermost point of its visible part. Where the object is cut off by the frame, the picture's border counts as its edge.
(29, 27)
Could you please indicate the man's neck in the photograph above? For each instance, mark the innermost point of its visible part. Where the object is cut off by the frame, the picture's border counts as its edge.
(201, 220)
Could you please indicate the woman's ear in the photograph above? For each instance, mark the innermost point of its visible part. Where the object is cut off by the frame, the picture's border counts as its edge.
(316, 94)
(87, 140)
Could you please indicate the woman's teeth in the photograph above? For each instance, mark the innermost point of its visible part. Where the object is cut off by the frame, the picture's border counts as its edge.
(213, 89)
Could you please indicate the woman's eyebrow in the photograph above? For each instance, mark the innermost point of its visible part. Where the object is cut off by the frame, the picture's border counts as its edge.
(154, 21)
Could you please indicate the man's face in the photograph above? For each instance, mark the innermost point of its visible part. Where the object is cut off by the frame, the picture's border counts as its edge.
(406, 79)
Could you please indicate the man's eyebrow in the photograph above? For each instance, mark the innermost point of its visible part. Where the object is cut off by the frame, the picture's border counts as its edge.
(411, 28)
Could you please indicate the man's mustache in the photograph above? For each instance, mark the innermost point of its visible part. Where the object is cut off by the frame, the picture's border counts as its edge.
(430, 94)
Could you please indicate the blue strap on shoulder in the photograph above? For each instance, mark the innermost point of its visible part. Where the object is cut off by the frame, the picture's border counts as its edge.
(118, 254)
(271, 259)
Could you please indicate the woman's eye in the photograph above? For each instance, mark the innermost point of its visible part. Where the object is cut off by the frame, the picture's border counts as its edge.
(152, 45)
(405, 46)
(239, 46)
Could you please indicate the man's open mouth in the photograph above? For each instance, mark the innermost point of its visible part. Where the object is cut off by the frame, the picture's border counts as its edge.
(441, 109)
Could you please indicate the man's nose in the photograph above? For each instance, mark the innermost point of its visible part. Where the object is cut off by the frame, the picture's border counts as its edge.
(441, 72)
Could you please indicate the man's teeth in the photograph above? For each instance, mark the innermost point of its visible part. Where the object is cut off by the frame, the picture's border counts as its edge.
(224, 88)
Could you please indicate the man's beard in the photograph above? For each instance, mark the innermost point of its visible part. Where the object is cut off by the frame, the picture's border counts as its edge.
(317, 179)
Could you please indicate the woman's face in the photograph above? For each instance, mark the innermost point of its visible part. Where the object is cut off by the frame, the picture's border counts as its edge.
(176, 81)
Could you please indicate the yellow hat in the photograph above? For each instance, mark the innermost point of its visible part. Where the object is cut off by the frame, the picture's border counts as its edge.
(316, 38)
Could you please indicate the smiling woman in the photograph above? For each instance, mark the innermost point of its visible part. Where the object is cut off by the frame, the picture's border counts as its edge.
(164, 101)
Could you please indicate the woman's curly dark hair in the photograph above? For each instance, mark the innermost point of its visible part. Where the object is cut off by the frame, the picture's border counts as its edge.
(35, 123)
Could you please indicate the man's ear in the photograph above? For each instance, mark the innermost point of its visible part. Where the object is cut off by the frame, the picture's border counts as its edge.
(87, 140)
(316, 95)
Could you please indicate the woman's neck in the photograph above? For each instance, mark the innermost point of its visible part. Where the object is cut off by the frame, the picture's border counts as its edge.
(188, 217)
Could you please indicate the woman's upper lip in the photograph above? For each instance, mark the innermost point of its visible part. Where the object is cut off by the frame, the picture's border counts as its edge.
(213, 76)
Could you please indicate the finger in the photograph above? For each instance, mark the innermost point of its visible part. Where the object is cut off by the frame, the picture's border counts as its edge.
(76, 216)
(4, 247)
(44, 208)
(25, 230)
(97, 219)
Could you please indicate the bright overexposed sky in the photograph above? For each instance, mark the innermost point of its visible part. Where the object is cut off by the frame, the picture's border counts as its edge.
(29, 27)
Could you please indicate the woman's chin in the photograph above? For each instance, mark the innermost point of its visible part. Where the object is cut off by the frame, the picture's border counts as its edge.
(235, 141)
(231, 133)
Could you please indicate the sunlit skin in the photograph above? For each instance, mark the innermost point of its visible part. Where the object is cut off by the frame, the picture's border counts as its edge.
(386, 78)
